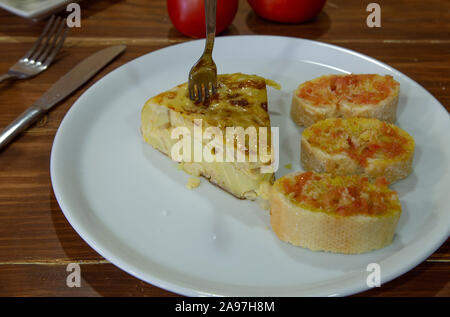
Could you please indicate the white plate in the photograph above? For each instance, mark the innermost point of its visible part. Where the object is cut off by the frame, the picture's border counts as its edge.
(33, 8)
(129, 202)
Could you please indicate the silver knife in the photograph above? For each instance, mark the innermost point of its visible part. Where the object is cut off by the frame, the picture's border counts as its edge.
(67, 84)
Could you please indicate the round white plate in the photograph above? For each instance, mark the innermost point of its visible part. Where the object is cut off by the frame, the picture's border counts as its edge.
(129, 202)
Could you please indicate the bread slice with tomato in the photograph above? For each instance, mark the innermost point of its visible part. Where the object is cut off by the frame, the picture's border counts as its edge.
(345, 96)
(369, 147)
(341, 214)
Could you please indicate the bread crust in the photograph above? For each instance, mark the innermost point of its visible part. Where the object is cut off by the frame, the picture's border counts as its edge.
(323, 231)
(304, 113)
(318, 160)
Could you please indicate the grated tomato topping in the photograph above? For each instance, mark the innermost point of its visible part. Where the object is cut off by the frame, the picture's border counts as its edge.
(342, 195)
(358, 141)
(361, 89)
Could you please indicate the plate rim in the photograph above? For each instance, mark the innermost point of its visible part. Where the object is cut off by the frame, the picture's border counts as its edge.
(189, 291)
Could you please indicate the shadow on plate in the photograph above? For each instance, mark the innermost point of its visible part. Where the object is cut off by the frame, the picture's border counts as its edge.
(333, 261)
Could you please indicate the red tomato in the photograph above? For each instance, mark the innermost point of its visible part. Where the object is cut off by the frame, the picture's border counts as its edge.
(288, 11)
(188, 16)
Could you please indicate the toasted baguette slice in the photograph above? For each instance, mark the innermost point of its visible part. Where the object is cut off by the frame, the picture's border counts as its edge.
(364, 146)
(342, 214)
(336, 96)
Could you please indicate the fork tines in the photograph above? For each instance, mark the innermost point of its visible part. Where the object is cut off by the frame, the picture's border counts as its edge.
(201, 91)
(49, 43)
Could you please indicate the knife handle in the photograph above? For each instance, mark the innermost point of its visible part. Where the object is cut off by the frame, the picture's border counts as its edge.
(28, 117)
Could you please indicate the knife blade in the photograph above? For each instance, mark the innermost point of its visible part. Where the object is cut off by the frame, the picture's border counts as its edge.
(60, 90)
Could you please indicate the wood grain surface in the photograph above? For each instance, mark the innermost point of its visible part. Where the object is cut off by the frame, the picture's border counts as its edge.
(37, 242)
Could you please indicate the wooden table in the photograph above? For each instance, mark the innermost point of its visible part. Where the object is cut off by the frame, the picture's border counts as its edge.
(36, 241)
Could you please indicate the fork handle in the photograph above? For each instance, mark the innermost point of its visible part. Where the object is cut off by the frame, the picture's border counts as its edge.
(5, 77)
(210, 18)
(28, 117)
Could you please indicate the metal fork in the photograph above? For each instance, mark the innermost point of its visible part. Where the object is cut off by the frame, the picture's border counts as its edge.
(203, 75)
(43, 52)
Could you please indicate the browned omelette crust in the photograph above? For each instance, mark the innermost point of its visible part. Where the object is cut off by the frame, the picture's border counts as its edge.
(236, 103)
